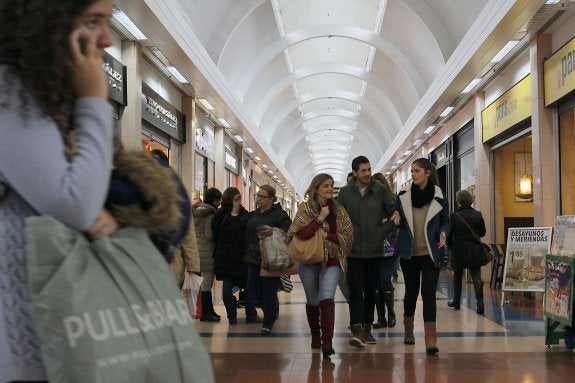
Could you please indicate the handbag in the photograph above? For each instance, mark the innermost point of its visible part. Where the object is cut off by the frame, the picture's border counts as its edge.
(485, 248)
(108, 311)
(274, 251)
(190, 291)
(309, 251)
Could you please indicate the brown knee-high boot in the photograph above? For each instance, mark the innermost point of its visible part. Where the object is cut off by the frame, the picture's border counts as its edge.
(408, 338)
(430, 338)
(312, 313)
(327, 307)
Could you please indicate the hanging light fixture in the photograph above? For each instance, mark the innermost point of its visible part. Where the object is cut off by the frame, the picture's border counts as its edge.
(526, 181)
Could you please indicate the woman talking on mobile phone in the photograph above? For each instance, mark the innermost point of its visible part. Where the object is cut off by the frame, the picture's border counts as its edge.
(56, 147)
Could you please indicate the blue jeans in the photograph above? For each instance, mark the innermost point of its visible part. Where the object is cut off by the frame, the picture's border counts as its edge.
(231, 303)
(318, 285)
(265, 290)
(418, 271)
(362, 278)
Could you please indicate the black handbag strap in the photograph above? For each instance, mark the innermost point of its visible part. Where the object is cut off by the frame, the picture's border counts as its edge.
(469, 227)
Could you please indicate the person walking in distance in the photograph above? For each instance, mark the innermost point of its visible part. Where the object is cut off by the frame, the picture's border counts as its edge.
(203, 216)
(384, 297)
(368, 203)
(467, 226)
(423, 218)
(260, 223)
(321, 212)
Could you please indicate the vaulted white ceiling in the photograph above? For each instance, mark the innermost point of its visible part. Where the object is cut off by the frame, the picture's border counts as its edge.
(315, 83)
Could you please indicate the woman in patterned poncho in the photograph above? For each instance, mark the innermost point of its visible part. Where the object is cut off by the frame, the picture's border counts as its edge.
(322, 212)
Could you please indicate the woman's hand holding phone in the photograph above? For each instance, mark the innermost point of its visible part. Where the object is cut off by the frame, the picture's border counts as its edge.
(89, 76)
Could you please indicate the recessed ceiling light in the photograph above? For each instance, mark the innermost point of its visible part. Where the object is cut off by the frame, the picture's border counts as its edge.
(224, 122)
(206, 104)
(446, 111)
(123, 19)
(177, 75)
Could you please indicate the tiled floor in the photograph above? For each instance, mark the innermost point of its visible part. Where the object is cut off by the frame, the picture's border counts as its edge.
(505, 345)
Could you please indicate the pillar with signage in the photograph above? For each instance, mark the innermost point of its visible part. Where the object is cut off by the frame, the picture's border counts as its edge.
(232, 168)
(559, 84)
(161, 122)
(204, 162)
(117, 94)
(506, 126)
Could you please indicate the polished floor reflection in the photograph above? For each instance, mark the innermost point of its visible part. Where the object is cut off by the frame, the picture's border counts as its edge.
(507, 344)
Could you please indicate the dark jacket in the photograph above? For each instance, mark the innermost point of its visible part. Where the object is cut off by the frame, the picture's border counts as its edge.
(275, 216)
(437, 220)
(367, 213)
(229, 239)
(465, 248)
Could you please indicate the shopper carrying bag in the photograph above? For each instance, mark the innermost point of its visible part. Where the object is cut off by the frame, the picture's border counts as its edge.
(108, 311)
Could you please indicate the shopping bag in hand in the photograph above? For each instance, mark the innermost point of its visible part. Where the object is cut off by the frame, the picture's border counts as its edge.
(190, 291)
(109, 311)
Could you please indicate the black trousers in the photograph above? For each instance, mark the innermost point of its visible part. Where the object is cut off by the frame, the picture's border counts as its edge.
(420, 272)
(362, 280)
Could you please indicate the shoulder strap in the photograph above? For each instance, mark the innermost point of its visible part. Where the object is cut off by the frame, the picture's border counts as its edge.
(469, 227)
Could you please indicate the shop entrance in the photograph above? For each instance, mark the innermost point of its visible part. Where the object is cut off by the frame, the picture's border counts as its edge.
(512, 187)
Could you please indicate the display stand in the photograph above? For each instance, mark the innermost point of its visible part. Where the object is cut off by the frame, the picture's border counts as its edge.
(558, 303)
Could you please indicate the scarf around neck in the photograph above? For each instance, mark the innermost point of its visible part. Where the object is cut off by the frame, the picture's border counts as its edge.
(420, 198)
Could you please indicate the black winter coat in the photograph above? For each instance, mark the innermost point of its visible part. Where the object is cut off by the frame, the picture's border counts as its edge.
(275, 216)
(466, 250)
(228, 233)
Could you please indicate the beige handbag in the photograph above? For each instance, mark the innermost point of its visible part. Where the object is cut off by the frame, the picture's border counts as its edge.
(310, 251)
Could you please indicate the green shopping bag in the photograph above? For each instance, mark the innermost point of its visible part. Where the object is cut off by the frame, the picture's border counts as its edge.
(109, 311)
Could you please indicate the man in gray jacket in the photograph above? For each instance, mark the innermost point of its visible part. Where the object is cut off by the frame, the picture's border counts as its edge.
(368, 204)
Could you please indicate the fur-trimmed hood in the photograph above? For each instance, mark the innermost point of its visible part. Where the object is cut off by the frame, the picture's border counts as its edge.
(203, 210)
(150, 197)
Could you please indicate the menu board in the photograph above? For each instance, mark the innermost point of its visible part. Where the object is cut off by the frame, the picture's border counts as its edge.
(524, 258)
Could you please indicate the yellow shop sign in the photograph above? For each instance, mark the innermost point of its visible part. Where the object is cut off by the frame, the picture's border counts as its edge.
(511, 108)
(559, 73)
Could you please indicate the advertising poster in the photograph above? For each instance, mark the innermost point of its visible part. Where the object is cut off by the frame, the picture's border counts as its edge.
(525, 258)
(559, 288)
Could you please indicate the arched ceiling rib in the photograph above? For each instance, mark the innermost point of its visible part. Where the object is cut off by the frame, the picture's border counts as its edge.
(360, 73)
(246, 77)
(263, 100)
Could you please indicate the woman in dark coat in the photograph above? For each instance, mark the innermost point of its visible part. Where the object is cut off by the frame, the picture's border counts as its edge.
(229, 265)
(260, 224)
(466, 249)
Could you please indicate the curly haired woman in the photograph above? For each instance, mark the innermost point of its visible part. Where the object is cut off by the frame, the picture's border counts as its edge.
(56, 148)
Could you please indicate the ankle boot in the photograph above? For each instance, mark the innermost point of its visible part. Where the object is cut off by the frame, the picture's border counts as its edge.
(327, 317)
(211, 306)
(380, 308)
(207, 308)
(456, 302)
(408, 338)
(480, 306)
(389, 302)
(367, 337)
(312, 313)
(357, 338)
(430, 338)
